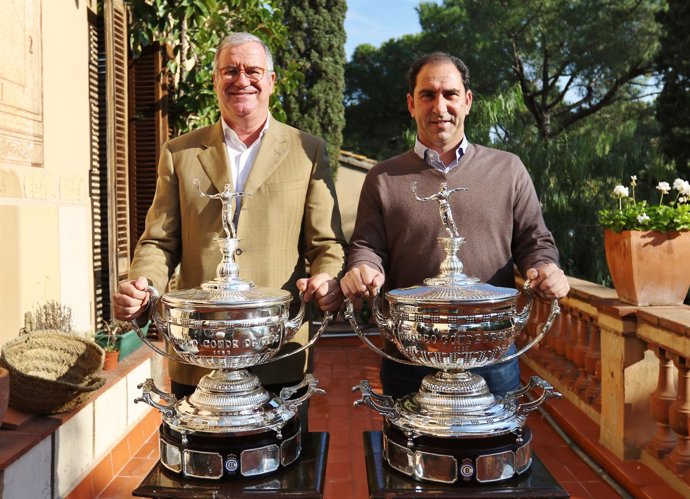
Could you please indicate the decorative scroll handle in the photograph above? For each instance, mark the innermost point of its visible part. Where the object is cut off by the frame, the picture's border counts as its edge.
(384, 328)
(287, 392)
(167, 408)
(383, 404)
(522, 320)
(548, 392)
(294, 324)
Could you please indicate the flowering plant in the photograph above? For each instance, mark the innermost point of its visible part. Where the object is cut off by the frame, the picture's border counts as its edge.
(632, 214)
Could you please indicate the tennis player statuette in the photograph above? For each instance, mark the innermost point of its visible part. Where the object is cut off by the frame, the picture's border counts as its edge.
(454, 429)
(231, 426)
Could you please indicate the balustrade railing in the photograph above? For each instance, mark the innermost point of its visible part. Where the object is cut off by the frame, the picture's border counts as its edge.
(627, 368)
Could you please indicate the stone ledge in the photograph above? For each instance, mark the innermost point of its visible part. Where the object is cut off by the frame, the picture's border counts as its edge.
(111, 406)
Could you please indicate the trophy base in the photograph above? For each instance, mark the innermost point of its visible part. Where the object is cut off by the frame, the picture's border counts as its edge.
(456, 460)
(216, 456)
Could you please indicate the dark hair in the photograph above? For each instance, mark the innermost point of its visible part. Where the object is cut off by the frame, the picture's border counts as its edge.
(436, 57)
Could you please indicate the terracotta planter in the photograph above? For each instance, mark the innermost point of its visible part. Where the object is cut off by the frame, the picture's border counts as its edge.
(110, 361)
(4, 391)
(649, 267)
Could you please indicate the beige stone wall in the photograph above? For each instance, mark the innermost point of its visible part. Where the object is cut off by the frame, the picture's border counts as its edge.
(45, 214)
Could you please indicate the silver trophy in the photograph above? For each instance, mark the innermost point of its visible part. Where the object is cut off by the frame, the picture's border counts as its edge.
(454, 429)
(231, 426)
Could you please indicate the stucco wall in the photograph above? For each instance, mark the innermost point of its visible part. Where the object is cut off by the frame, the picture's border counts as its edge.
(45, 215)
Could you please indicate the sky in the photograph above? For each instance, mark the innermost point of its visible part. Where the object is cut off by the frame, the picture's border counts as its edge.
(376, 21)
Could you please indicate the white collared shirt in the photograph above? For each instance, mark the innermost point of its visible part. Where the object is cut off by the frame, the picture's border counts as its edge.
(240, 158)
(433, 159)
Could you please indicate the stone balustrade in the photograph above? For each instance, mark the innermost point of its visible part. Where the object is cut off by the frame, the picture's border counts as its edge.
(627, 368)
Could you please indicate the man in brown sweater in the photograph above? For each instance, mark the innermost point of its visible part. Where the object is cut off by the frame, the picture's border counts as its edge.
(394, 241)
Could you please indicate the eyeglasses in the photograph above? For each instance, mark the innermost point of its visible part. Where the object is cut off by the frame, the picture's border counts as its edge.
(231, 73)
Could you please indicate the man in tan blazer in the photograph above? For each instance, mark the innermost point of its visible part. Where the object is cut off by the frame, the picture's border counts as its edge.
(289, 224)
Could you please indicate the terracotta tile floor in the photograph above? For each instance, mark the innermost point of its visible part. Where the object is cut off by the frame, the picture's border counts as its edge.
(340, 363)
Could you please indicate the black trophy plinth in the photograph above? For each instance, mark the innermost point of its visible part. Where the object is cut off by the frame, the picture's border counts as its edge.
(385, 482)
(303, 479)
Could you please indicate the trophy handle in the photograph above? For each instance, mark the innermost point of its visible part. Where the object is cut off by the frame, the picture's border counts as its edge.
(524, 409)
(522, 320)
(327, 318)
(293, 325)
(287, 392)
(167, 408)
(383, 404)
(154, 295)
(349, 315)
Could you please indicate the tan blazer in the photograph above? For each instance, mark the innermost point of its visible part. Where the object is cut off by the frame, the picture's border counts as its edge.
(290, 223)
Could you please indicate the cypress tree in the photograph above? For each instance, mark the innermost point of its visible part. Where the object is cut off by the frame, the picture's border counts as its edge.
(315, 49)
(673, 104)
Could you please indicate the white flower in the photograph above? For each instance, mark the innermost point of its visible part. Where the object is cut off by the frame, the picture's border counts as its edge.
(682, 199)
(663, 187)
(682, 186)
(620, 191)
(642, 218)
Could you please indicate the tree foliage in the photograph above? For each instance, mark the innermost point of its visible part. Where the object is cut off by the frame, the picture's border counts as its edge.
(191, 30)
(673, 104)
(571, 60)
(557, 82)
(377, 119)
(570, 57)
(315, 52)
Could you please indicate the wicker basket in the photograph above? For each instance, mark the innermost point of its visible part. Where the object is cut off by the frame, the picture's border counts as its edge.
(51, 371)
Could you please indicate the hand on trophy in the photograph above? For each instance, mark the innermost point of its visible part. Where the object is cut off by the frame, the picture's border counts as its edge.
(548, 281)
(131, 299)
(362, 281)
(322, 288)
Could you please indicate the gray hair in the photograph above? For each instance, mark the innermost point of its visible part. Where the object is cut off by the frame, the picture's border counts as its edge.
(241, 38)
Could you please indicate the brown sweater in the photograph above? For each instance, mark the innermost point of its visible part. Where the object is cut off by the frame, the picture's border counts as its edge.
(499, 217)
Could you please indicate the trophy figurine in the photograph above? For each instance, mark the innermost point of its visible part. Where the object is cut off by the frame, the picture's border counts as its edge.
(231, 426)
(454, 430)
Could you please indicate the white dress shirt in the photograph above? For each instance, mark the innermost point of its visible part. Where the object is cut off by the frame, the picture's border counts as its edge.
(433, 159)
(240, 158)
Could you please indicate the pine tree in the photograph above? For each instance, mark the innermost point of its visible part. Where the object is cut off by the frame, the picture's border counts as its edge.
(315, 49)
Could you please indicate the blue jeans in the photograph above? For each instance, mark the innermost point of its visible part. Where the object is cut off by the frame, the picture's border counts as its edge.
(399, 380)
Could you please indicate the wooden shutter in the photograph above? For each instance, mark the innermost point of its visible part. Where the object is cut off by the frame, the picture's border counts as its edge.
(148, 130)
(98, 185)
(108, 179)
(115, 17)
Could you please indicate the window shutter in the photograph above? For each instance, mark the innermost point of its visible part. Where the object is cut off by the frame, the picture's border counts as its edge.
(148, 131)
(108, 182)
(98, 187)
(116, 108)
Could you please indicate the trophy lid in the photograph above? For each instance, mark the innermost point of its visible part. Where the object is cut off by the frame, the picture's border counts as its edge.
(451, 293)
(252, 297)
(227, 289)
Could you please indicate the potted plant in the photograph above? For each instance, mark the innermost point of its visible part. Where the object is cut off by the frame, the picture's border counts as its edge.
(119, 336)
(110, 346)
(648, 245)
